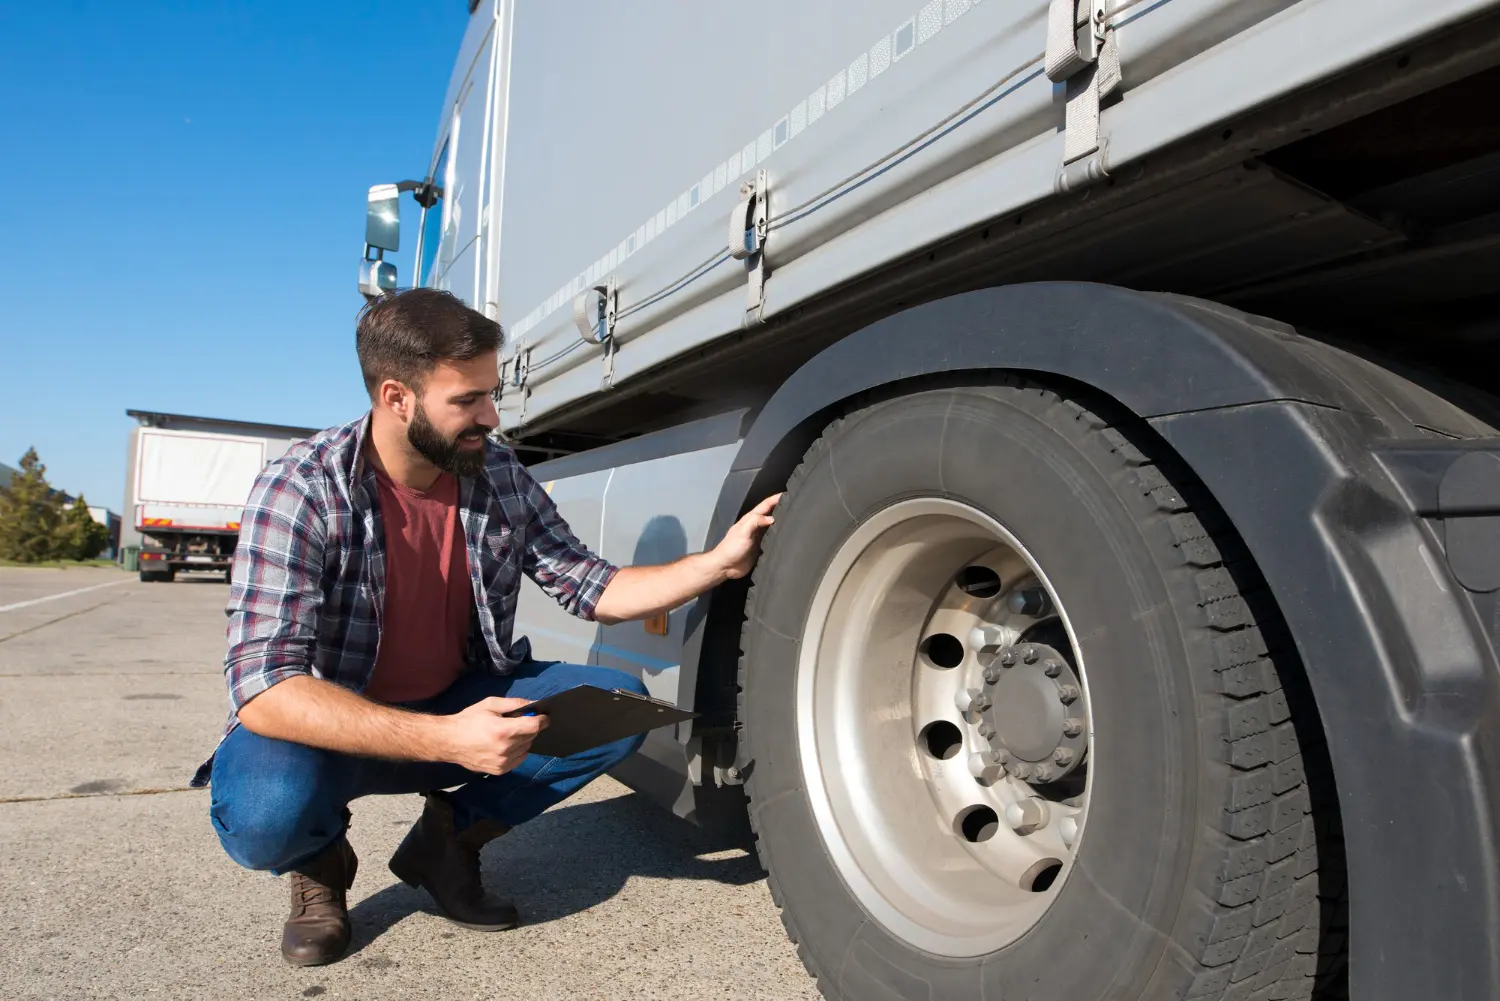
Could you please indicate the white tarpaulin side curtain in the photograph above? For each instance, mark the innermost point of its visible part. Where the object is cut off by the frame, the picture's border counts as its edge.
(192, 468)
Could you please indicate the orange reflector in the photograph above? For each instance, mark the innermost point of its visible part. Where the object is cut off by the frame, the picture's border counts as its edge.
(656, 625)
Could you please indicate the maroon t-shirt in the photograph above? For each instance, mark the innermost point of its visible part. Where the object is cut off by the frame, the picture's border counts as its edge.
(428, 595)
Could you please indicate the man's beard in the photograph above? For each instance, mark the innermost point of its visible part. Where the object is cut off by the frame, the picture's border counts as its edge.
(445, 453)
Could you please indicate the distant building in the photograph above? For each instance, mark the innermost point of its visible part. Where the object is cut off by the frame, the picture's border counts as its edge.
(111, 521)
(277, 438)
(7, 473)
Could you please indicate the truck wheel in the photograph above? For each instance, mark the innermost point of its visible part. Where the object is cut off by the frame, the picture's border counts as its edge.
(152, 576)
(1012, 724)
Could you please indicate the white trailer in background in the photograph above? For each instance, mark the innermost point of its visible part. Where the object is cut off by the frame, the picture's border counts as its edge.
(187, 484)
(1128, 628)
(190, 493)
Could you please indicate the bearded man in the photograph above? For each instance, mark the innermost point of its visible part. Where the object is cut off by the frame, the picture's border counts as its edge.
(371, 618)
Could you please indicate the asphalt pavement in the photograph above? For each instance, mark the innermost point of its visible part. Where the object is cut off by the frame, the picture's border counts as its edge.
(114, 885)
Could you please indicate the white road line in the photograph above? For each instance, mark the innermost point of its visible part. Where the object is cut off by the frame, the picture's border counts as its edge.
(65, 594)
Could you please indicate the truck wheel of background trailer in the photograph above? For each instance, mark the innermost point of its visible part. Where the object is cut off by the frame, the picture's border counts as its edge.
(1010, 726)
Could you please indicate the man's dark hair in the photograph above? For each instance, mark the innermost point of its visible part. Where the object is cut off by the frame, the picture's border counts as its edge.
(403, 335)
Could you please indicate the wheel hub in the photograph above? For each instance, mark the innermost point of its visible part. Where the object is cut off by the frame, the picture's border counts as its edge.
(1036, 719)
(929, 764)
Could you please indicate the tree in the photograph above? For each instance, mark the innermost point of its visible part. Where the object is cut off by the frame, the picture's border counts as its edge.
(30, 512)
(79, 536)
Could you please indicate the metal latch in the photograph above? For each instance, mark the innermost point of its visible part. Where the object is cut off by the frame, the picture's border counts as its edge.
(520, 366)
(1083, 54)
(594, 312)
(748, 225)
(520, 370)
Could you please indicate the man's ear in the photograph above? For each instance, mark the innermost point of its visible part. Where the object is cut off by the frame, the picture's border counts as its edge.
(396, 398)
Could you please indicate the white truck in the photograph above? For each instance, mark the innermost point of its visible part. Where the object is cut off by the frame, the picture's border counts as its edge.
(189, 495)
(1128, 629)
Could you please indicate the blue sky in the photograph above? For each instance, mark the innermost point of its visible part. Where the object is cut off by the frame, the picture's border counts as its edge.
(184, 209)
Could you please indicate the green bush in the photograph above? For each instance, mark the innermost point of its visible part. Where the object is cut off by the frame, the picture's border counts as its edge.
(79, 536)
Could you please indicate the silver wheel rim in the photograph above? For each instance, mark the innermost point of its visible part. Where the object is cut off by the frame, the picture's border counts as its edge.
(907, 828)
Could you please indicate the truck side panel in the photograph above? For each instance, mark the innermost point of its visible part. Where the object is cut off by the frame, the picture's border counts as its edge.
(637, 513)
(554, 634)
(873, 150)
(657, 512)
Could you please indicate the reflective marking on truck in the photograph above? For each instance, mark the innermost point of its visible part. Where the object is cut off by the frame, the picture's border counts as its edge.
(634, 657)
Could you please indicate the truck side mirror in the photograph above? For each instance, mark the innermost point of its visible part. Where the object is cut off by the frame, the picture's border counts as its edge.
(383, 218)
(377, 276)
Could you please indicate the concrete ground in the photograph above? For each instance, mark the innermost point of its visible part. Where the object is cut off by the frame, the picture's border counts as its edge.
(115, 887)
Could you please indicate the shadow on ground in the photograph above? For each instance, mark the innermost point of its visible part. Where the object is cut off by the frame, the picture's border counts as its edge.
(569, 860)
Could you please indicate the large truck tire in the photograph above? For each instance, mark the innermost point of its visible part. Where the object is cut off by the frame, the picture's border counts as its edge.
(1019, 720)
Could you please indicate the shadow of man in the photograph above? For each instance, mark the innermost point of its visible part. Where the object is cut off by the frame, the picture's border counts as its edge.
(574, 857)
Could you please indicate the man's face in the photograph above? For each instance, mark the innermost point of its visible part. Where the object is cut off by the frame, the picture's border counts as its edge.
(453, 413)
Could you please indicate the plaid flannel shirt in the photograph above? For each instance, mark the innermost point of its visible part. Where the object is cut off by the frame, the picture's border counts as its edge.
(308, 582)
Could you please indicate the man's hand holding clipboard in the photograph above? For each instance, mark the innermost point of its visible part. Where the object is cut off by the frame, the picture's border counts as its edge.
(586, 717)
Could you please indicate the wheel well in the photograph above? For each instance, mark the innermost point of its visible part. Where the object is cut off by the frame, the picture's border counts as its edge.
(727, 613)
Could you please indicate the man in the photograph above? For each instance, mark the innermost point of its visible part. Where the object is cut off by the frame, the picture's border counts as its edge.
(371, 611)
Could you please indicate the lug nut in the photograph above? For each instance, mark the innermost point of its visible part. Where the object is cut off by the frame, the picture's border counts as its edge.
(1029, 654)
(1052, 667)
(986, 729)
(1031, 601)
(1063, 756)
(1072, 726)
(1068, 829)
(1068, 694)
(964, 699)
(1042, 773)
(992, 674)
(1026, 815)
(1007, 658)
(1001, 755)
(984, 767)
(1019, 769)
(992, 637)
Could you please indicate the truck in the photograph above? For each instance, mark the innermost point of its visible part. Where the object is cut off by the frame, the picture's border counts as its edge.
(1128, 624)
(189, 494)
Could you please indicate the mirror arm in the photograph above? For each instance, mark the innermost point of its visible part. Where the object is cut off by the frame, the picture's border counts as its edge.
(425, 192)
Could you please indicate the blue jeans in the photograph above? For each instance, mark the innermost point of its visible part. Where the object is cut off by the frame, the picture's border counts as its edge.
(276, 804)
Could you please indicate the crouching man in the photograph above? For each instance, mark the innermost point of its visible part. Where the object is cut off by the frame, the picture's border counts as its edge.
(371, 612)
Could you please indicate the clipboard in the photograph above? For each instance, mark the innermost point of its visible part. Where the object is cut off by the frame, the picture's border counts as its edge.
(586, 717)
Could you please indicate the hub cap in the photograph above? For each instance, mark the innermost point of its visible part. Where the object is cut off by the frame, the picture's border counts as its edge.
(943, 727)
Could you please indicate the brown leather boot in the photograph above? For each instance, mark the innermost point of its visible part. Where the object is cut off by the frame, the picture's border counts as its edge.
(317, 930)
(445, 862)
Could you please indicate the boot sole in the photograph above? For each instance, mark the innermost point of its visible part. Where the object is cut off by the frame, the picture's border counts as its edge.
(303, 963)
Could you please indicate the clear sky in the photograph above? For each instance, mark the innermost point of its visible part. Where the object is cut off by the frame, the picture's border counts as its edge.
(184, 205)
